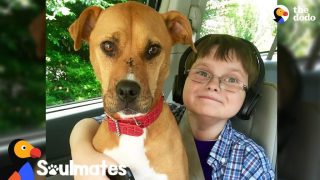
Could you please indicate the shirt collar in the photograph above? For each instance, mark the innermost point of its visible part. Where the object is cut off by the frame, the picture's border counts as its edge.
(220, 150)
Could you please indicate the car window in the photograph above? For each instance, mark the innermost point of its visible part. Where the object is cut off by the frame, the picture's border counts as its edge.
(248, 19)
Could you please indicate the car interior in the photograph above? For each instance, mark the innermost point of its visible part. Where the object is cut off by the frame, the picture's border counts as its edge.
(288, 135)
(262, 127)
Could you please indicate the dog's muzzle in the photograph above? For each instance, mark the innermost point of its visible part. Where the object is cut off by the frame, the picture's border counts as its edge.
(127, 91)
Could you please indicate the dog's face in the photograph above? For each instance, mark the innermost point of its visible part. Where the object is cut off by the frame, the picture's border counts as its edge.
(130, 47)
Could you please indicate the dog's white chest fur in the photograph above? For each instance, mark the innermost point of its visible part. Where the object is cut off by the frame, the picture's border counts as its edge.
(131, 152)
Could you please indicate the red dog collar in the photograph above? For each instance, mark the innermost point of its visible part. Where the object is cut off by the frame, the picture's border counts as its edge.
(133, 126)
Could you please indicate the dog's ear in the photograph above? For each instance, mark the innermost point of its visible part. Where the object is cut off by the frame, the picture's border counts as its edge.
(179, 28)
(82, 27)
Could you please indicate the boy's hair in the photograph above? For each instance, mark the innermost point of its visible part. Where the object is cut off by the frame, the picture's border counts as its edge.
(228, 45)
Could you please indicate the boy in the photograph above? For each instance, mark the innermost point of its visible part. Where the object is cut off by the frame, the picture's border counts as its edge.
(218, 77)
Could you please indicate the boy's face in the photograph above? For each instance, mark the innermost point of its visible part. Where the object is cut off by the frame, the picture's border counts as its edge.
(207, 98)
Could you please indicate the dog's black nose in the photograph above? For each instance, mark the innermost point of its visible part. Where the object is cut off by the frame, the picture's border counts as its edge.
(127, 91)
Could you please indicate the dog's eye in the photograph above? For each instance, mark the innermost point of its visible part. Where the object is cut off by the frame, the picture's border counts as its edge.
(153, 51)
(109, 48)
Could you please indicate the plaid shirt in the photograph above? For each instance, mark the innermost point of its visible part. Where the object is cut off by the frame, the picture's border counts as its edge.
(233, 156)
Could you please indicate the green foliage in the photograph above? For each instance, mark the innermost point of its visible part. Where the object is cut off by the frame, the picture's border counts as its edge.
(69, 78)
(299, 36)
(22, 84)
(69, 75)
(234, 19)
(247, 19)
(246, 25)
(22, 96)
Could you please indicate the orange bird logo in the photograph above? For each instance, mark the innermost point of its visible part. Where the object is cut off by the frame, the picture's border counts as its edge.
(279, 13)
(20, 151)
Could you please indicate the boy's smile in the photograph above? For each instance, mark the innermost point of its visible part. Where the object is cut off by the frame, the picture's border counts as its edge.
(210, 98)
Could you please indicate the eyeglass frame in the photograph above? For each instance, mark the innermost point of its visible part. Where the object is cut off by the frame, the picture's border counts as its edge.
(241, 87)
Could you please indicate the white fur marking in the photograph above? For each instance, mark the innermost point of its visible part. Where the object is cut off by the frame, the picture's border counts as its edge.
(131, 77)
(131, 152)
(125, 116)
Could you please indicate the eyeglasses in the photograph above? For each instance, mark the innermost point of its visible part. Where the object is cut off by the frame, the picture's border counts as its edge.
(227, 83)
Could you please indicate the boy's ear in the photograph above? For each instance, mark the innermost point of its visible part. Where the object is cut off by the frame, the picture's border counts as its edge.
(81, 28)
(179, 28)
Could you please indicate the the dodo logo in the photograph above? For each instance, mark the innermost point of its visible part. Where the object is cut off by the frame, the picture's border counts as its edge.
(20, 151)
(281, 14)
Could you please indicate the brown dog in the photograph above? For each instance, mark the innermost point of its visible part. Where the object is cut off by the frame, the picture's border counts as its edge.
(130, 46)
